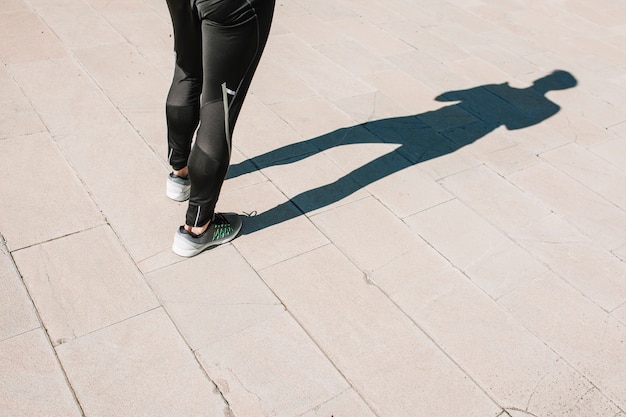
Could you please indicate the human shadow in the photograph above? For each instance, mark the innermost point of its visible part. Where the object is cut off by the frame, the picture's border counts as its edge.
(478, 111)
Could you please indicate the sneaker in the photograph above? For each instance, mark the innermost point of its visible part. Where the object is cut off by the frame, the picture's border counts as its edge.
(224, 228)
(177, 188)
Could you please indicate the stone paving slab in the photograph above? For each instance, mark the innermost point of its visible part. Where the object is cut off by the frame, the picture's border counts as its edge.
(434, 214)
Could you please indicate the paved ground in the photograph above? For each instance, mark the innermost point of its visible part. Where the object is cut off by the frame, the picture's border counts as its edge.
(436, 191)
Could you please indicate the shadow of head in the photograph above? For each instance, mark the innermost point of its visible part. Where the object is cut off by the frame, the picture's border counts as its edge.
(557, 80)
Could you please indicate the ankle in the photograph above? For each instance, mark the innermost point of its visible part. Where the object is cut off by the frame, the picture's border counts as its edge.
(197, 230)
(183, 172)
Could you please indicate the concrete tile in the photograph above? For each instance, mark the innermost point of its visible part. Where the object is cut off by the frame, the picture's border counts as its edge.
(447, 164)
(576, 329)
(459, 234)
(586, 106)
(619, 130)
(593, 403)
(613, 151)
(576, 402)
(315, 184)
(312, 117)
(605, 15)
(327, 10)
(125, 76)
(273, 83)
(354, 58)
(17, 313)
(412, 95)
(312, 29)
(82, 28)
(221, 288)
(356, 147)
(276, 230)
(321, 74)
(458, 29)
(144, 29)
(79, 287)
(507, 40)
(596, 217)
(611, 90)
(164, 258)
(373, 12)
(24, 37)
(372, 37)
(490, 143)
(478, 71)
(32, 382)
(494, 198)
(140, 367)
(411, 270)
(543, 137)
(56, 203)
(431, 71)
(385, 357)
(456, 314)
(271, 369)
(619, 314)
(65, 97)
(261, 133)
(422, 39)
(127, 184)
(17, 116)
(150, 123)
(368, 107)
(503, 60)
(347, 403)
(582, 165)
(574, 258)
(354, 228)
(241, 173)
(13, 5)
(509, 160)
(409, 191)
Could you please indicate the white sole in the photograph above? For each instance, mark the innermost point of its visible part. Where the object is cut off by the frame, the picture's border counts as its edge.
(176, 192)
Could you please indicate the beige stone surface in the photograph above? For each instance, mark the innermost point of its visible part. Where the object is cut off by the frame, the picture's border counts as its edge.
(400, 255)
(132, 197)
(459, 234)
(594, 216)
(24, 37)
(67, 100)
(214, 296)
(139, 367)
(31, 382)
(494, 198)
(457, 314)
(84, 27)
(273, 219)
(573, 257)
(386, 358)
(56, 202)
(17, 313)
(368, 233)
(271, 368)
(79, 286)
(345, 404)
(576, 329)
(17, 116)
(582, 165)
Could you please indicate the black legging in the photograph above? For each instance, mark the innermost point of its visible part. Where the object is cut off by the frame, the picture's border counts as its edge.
(218, 45)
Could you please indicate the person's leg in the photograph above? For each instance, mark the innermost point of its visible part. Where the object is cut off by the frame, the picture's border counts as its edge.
(183, 100)
(234, 34)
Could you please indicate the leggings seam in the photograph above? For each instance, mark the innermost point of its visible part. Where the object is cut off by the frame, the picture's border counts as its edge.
(258, 37)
